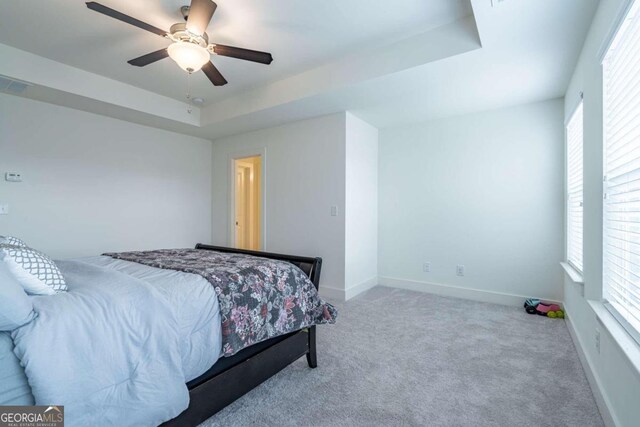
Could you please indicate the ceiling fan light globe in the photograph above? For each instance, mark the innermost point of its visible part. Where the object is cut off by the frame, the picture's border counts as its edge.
(189, 56)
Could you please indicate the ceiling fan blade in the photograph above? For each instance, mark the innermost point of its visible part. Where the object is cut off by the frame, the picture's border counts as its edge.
(124, 18)
(246, 54)
(149, 58)
(213, 74)
(200, 13)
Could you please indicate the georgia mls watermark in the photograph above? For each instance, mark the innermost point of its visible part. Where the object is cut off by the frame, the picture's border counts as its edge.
(31, 416)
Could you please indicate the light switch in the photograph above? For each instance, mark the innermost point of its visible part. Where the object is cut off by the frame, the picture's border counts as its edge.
(334, 211)
(4, 209)
(13, 177)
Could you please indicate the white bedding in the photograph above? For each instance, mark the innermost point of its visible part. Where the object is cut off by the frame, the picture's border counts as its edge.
(119, 347)
(195, 305)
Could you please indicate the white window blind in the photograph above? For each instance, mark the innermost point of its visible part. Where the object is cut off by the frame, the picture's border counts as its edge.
(621, 250)
(574, 189)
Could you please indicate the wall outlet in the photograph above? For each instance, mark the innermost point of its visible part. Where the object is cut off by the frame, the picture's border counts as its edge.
(4, 209)
(460, 270)
(426, 267)
(597, 337)
(334, 211)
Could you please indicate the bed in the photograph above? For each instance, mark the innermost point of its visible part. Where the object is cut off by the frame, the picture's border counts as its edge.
(249, 368)
(215, 373)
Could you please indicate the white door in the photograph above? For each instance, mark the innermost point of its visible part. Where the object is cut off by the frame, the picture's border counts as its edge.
(241, 208)
(247, 199)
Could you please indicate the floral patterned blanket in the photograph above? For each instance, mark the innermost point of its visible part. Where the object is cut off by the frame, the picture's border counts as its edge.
(260, 298)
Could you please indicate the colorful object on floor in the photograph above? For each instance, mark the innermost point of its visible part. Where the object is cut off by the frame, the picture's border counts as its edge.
(544, 308)
(530, 305)
(535, 306)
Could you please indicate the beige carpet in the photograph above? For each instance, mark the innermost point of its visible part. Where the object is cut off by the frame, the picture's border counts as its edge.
(402, 358)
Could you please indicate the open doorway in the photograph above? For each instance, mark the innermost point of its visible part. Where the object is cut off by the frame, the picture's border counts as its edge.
(247, 202)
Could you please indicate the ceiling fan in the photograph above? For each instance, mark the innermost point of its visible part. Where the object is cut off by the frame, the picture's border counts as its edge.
(190, 47)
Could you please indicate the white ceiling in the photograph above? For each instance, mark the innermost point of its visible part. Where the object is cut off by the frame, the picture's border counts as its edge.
(391, 63)
(529, 52)
(300, 34)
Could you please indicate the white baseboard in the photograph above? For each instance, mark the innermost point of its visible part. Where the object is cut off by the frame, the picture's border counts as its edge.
(594, 381)
(457, 292)
(350, 292)
(360, 288)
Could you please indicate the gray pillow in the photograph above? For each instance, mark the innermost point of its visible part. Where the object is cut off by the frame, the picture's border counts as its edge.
(16, 308)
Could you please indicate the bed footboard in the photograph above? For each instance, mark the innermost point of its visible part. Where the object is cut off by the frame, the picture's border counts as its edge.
(248, 368)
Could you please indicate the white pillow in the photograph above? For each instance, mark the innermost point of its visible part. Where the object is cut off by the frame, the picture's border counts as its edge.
(16, 308)
(35, 271)
(13, 241)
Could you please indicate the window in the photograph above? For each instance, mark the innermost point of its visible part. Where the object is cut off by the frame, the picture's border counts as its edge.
(574, 189)
(621, 275)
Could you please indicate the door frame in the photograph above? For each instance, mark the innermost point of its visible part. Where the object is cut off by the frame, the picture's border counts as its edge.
(231, 196)
(242, 172)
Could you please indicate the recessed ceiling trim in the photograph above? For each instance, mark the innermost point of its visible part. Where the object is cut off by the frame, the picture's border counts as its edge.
(24, 66)
(442, 42)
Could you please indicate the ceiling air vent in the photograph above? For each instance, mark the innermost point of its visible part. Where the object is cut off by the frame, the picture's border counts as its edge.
(13, 86)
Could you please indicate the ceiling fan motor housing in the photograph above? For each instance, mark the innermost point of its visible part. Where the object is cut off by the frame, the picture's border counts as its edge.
(179, 33)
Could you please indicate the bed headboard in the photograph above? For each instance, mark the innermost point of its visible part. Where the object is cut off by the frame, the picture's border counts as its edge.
(311, 266)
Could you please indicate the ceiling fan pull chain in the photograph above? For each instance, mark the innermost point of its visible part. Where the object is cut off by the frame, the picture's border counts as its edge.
(189, 106)
(189, 86)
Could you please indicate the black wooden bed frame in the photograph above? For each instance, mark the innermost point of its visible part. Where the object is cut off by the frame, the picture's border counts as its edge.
(231, 377)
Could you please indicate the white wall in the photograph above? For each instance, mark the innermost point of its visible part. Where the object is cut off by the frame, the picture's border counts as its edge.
(483, 190)
(616, 381)
(361, 212)
(95, 184)
(304, 176)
